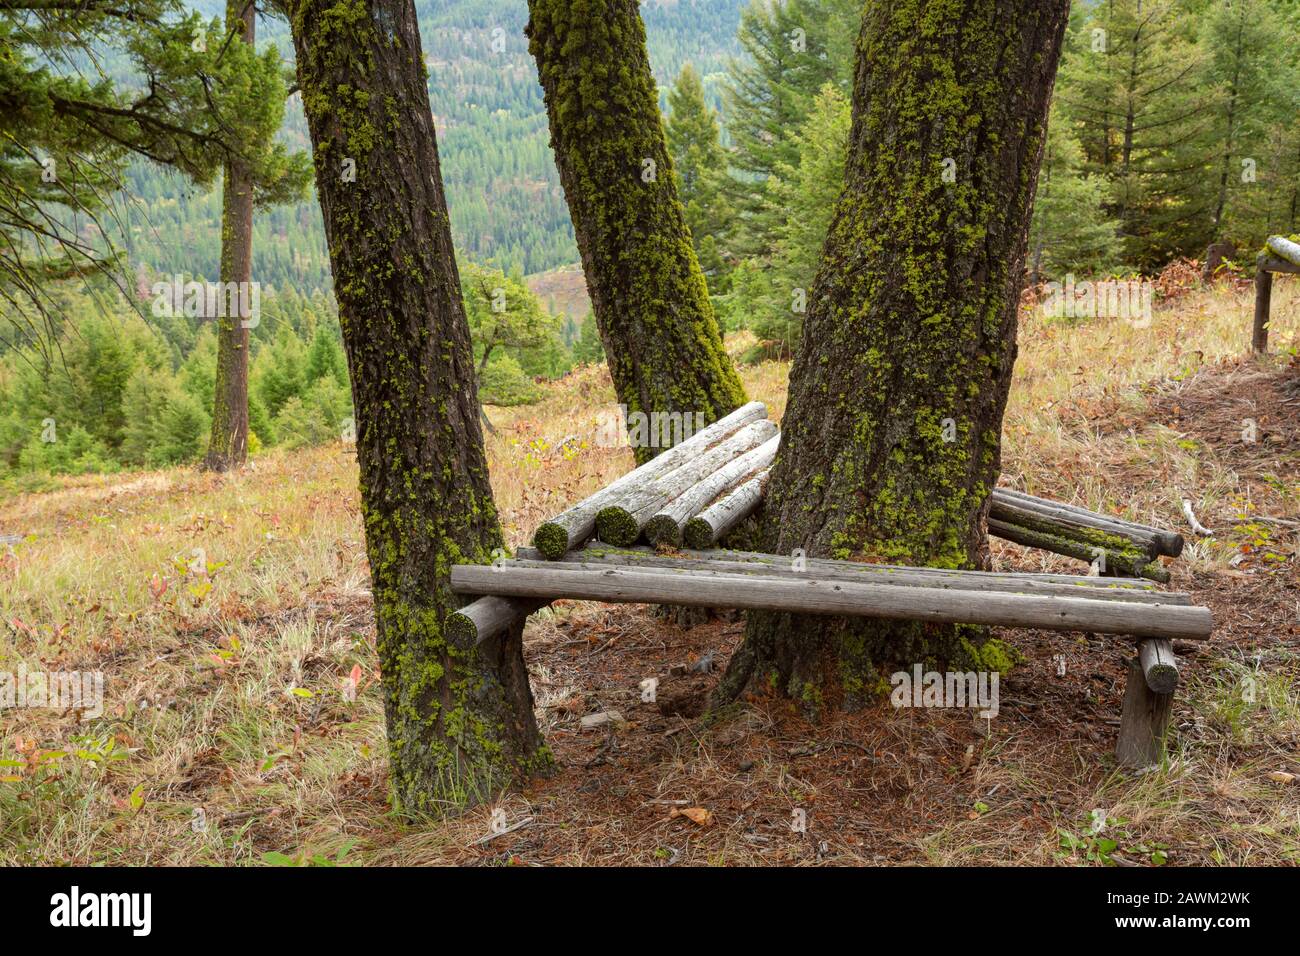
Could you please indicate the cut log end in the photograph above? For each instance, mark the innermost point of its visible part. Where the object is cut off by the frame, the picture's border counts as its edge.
(1159, 665)
(551, 540)
(1162, 678)
(461, 630)
(663, 530)
(617, 526)
(698, 534)
(1171, 544)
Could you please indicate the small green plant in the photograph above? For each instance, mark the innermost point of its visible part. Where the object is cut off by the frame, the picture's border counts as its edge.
(1100, 844)
(275, 858)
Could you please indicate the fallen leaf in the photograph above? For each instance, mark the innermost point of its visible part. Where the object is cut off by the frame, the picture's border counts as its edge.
(697, 815)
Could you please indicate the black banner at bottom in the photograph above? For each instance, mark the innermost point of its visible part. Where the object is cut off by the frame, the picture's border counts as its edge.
(345, 905)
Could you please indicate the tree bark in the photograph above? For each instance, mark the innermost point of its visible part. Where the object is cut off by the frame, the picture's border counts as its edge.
(228, 441)
(460, 718)
(891, 444)
(647, 291)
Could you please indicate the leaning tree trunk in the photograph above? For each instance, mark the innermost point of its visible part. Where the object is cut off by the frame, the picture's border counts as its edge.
(228, 442)
(891, 443)
(460, 718)
(647, 291)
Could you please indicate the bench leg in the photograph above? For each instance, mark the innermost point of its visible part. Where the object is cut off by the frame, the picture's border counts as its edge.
(1263, 295)
(1143, 721)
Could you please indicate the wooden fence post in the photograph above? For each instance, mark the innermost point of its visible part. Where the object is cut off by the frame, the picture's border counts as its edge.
(1143, 721)
(1263, 297)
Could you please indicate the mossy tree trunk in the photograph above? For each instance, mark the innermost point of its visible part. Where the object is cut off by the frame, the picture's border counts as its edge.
(228, 442)
(647, 291)
(460, 719)
(891, 443)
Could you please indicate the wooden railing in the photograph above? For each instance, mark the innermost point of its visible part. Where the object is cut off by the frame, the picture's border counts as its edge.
(1280, 255)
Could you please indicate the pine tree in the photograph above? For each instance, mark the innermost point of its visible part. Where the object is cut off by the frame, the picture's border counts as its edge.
(68, 133)
(648, 294)
(1250, 87)
(890, 442)
(792, 48)
(325, 358)
(460, 718)
(807, 194)
(589, 349)
(1070, 231)
(1129, 86)
(262, 173)
(281, 371)
(698, 159)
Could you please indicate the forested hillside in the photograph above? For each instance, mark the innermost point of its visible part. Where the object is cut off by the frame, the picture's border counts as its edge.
(502, 189)
(1172, 127)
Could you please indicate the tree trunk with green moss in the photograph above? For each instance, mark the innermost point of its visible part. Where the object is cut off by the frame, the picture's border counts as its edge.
(647, 292)
(228, 442)
(460, 718)
(891, 442)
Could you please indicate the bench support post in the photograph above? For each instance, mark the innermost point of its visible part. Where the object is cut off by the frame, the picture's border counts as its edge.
(1143, 721)
(1263, 298)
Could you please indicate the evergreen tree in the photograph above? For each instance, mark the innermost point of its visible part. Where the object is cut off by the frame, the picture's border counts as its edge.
(1070, 231)
(589, 349)
(164, 424)
(262, 171)
(1250, 85)
(1129, 86)
(698, 159)
(325, 358)
(281, 371)
(807, 194)
(67, 132)
(792, 48)
(890, 442)
(648, 294)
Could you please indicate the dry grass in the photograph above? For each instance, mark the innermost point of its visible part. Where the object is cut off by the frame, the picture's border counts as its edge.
(226, 614)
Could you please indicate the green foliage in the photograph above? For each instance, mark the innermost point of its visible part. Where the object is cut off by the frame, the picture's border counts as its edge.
(1186, 109)
(791, 50)
(164, 425)
(503, 382)
(279, 373)
(122, 393)
(1069, 231)
(314, 417)
(70, 127)
(588, 349)
(699, 164)
(325, 357)
(506, 320)
(806, 194)
(75, 453)
(1252, 138)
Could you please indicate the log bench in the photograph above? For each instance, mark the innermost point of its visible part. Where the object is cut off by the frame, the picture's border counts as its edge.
(1280, 255)
(701, 489)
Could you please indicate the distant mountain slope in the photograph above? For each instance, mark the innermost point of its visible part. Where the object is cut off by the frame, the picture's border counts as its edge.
(505, 199)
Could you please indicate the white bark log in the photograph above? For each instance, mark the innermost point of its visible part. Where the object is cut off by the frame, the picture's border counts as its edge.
(665, 526)
(820, 596)
(572, 527)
